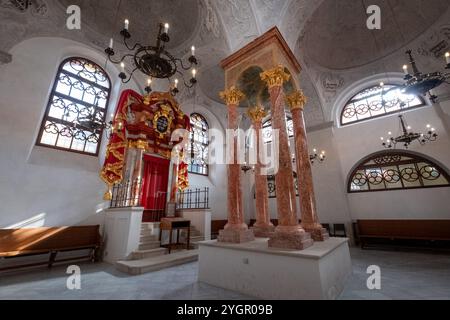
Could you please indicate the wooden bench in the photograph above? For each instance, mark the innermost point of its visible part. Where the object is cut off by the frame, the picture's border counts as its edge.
(416, 230)
(16, 243)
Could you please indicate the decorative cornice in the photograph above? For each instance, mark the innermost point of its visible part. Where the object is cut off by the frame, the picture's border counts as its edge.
(297, 100)
(275, 77)
(256, 114)
(232, 96)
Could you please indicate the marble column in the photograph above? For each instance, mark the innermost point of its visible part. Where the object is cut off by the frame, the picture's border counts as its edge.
(171, 209)
(310, 220)
(236, 231)
(134, 171)
(288, 234)
(174, 183)
(263, 226)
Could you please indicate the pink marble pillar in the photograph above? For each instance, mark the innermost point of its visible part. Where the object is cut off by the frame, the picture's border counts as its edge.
(174, 184)
(236, 231)
(310, 220)
(289, 234)
(263, 227)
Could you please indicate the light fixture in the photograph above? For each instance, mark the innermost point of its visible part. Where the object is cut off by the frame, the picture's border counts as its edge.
(153, 61)
(246, 168)
(418, 83)
(317, 157)
(93, 123)
(407, 136)
(314, 157)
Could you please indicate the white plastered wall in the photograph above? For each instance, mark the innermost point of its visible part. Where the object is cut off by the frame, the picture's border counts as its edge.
(61, 188)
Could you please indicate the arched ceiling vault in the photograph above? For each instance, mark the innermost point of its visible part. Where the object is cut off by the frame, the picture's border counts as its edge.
(323, 45)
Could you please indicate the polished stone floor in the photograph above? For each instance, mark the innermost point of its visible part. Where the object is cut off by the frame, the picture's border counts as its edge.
(405, 275)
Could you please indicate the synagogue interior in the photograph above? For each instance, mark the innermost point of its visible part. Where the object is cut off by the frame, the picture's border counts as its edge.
(224, 150)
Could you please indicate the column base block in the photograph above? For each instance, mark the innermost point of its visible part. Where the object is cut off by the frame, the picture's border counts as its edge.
(317, 273)
(263, 232)
(318, 234)
(235, 236)
(290, 240)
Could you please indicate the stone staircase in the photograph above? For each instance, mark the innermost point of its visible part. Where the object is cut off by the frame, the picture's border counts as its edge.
(196, 237)
(151, 257)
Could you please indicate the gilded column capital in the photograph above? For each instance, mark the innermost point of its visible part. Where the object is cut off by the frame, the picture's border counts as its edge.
(256, 114)
(297, 100)
(275, 77)
(232, 96)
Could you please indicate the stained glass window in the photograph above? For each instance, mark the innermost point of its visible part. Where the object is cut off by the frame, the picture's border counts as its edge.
(80, 92)
(199, 145)
(272, 188)
(267, 129)
(378, 101)
(396, 170)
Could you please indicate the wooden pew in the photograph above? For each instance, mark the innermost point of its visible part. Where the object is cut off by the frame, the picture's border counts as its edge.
(16, 243)
(417, 230)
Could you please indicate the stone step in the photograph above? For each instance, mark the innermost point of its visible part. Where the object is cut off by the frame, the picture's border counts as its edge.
(148, 238)
(197, 239)
(148, 232)
(150, 245)
(194, 233)
(137, 267)
(150, 225)
(145, 254)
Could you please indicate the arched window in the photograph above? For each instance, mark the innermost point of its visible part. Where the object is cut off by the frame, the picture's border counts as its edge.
(199, 145)
(272, 188)
(267, 129)
(78, 104)
(378, 101)
(395, 171)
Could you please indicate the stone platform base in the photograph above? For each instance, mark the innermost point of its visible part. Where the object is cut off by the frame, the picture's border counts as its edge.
(263, 232)
(290, 240)
(318, 234)
(317, 273)
(235, 236)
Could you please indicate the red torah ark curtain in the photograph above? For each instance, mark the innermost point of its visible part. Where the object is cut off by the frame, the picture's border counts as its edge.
(155, 185)
(144, 122)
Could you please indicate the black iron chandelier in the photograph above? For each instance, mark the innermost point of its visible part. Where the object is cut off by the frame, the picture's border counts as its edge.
(154, 61)
(317, 157)
(419, 83)
(314, 157)
(94, 122)
(407, 136)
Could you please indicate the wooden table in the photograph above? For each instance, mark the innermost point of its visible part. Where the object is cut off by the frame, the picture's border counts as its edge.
(175, 224)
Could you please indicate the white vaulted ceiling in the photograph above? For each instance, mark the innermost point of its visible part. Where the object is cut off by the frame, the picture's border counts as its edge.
(329, 37)
(336, 36)
(107, 17)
